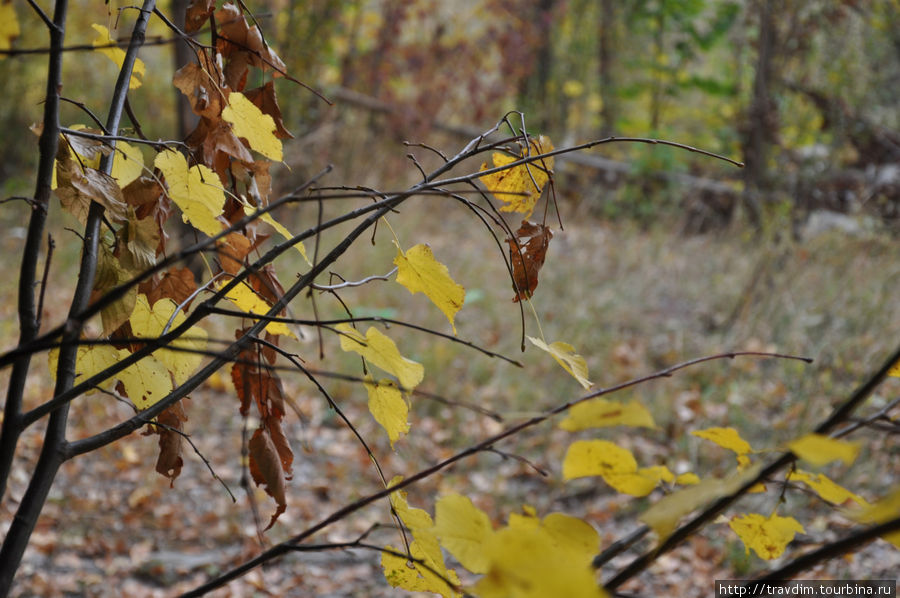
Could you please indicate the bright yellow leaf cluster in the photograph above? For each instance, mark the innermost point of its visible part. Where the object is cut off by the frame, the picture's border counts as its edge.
(379, 350)
(106, 46)
(529, 558)
(767, 536)
(565, 355)
(820, 450)
(416, 577)
(195, 190)
(419, 271)
(599, 413)
(252, 124)
(730, 439)
(520, 187)
(616, 465)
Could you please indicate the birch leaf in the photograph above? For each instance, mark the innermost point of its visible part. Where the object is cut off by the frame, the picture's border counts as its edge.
(420, 272)
(825, 487)
(727, 438)
(194, 190)
(252, 304)
(388, 407)
(820, 450)
(252, 124)
(463, 530)
(117, 55)
(767, 536)
(616, 465)
(379, 350)
(565, 355)
(519, 187)
(599, 413)
(150, 322)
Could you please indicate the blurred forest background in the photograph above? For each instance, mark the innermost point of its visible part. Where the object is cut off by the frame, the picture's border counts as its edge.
(664, 255)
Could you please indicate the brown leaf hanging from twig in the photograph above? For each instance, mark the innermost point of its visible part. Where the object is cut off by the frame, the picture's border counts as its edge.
(526, 253)
(169, 461)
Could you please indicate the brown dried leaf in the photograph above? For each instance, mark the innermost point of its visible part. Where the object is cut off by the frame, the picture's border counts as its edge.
(237, 37)
(169, 462)
(78, 186)
(197, 14)
(527, 252)
(175, 283)
(232, 249)
(110, 273)
(142, 240)
(266, 468)
(200, 85)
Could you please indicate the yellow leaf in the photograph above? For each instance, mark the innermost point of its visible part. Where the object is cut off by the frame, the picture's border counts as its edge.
(895, 370)
(128, 163)
(819, 450)
(534, 559)
(886, 509)
(418, 271)
(687, 479)
(280, 229)
(117, 55)
(727, 438)
(252, 124)
(598, 413)
(565, 355)
(380, 351)
(388, 407)
(425, 546)
(248, 301)
(616, 465)
(147, 322)
(824, 487)
(767, 536)
(519, 187)
(664, 515)
(146, 382)
(195, 191)
(9, 26)
(89, 360)
(463, 530)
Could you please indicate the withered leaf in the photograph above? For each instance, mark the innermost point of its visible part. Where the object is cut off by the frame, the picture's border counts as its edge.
(266, 468)
(232, 249)
(526, 253)
(200, 84)
(142, 240)
(246, 40)
(110, 274)
(175, 283)
(169, 461)
(78, 186)
(257, 385)
(197, 14)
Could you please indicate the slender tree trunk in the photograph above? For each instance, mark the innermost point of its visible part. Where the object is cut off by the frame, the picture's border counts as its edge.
(606, 34)
(761, 118)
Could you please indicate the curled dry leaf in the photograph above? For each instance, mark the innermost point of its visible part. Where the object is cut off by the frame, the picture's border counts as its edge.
(526, 253)
(197, 14)
(169, 461)
(267, 467)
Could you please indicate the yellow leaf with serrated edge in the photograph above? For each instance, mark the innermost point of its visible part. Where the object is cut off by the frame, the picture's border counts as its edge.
(616, 465)
(767, 536)
(196, 191)
(532, 558)
(420, 272)
(463, 530)
(147, 322)
(819, 450)
(565, 355)
(252, 304)
(9, 26)
(598, 413)
(880, 511)
(280, 229)
(117, 55)
(89, 360)
(825, 488)
(664, 515)
(519, 187)
(379, 350)
(401, 573)
(687, 479)
(252, 124)
(388, 407)
(727, 438)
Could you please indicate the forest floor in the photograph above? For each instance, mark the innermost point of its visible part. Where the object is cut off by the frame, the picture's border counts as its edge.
(631, 301)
